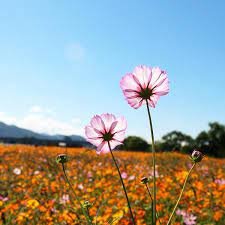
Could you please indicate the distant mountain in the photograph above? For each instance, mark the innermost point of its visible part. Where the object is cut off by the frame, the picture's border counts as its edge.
(11, 131)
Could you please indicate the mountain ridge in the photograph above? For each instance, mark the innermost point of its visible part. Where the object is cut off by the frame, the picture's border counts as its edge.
(13, 131)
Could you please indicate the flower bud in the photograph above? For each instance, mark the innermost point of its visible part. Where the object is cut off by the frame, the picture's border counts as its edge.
(62, 158)
(86, 205)
(144, 180)
(196, 156)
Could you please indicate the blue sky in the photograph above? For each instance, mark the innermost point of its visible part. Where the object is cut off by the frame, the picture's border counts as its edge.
(61, 62)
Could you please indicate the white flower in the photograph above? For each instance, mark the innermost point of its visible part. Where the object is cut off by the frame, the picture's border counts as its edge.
(132, 177)
(65, 198)
(36, 172)
(17, 171)
(80, 186)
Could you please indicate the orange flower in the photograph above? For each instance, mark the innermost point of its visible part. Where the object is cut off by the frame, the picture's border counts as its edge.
(35, 196)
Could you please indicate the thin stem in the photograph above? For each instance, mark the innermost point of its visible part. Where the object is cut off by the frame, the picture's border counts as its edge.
(98, 210)
(121, 179)
(149, 193)
(181, 193)
(153, 162)
(76, 197)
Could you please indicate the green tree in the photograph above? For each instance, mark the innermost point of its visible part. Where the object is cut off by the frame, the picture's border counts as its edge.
(213, 141)
(176, 141)
(134, 143)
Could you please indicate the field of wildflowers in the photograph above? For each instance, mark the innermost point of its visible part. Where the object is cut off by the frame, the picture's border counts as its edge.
(33, 189)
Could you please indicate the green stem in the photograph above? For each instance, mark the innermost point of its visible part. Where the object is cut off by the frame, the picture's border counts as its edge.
(75, 195)
(149, 193)
(171, 216)
(121, 179)
(153, 162)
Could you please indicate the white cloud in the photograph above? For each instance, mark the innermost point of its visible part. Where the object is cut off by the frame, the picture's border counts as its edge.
(47, 124)
(38, 121)
(36, 109)
(7, 119)
(39, 109)
(75, 52)
(76, 120)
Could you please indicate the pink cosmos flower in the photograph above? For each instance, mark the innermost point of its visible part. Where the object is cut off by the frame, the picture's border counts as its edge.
(220, 181)
(106, 128)
(64, 199)
(144, 84)
(4, 199)
(124, 175)
(188, 218)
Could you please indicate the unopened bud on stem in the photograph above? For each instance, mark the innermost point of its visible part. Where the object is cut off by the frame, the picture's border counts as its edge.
(144, 180)
(196, 156)
(62, 158)
(87, 205)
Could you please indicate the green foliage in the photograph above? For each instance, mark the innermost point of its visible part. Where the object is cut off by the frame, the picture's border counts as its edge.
(134, 143)
(177, 141)
(213, 141)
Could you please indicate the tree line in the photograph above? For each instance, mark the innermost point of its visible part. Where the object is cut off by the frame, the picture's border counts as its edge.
(211, 142)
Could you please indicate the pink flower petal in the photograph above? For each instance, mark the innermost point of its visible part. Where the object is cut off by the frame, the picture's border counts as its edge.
(163, 88)
(102, 146)
(114, 143)
(130, 94)
(127, 82)
(135, 102)
(156, 73)
(97, 123)
(119, 136)
(105, 150)
(90, 132)
(121, 125)
(108, 119)
(143, 75)
(113, 126)
(95, 142)
(153, 100)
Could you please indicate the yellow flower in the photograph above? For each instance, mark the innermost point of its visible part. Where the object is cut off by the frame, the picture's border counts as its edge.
(32, 203)
(117, 216)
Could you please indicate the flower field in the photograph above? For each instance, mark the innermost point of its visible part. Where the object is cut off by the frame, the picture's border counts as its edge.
(33, 189)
